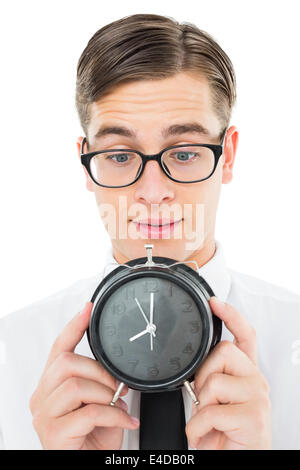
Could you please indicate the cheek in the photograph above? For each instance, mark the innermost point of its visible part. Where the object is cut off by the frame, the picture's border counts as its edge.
(199, 204)
(106, 203)
(211, 188)
(199, 193)
(112, 204)
(109, 196)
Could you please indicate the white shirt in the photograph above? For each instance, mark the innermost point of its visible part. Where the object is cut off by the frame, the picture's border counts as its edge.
(26, 337)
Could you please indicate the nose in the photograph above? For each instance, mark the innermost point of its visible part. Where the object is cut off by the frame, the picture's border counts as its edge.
(154, 187)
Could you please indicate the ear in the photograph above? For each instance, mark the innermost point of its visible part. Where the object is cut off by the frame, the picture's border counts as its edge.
(230, 148)
(88, 181)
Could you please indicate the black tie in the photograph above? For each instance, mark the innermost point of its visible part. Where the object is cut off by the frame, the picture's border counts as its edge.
(162, 421)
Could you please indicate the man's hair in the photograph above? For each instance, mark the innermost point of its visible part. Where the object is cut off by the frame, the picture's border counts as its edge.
(151, 47)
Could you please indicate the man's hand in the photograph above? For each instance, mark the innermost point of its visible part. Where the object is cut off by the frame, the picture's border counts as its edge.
(234, 408)
(70, 406)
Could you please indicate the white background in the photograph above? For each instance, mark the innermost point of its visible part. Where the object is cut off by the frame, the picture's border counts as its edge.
(51, 233)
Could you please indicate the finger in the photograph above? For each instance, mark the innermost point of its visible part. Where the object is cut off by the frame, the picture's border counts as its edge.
(82, 421)
(68, 365)
(244, 334)
(225, 358)
(213, 440)
(71, 334)
(227, 389)
(76, 392)
(225, 418)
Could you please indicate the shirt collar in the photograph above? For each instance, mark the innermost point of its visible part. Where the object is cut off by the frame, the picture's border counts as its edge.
(214, 272)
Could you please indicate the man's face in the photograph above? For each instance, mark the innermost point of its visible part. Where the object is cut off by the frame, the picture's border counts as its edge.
(145, 108)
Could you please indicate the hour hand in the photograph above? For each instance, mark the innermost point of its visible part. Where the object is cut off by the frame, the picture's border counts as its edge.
(150, 329)
(138, 335)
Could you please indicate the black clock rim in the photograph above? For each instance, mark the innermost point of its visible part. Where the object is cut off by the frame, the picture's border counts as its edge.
(123, 277)
(120, 268)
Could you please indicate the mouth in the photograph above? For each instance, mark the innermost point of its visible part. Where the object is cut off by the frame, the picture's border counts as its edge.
(156, 228)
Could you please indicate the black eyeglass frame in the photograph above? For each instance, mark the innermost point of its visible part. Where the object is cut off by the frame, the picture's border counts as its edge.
(86, 159)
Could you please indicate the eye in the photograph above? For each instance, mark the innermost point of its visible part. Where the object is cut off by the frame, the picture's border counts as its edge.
(184, 156)
(120, 157)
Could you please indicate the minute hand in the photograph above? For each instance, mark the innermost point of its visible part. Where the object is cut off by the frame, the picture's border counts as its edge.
(142, 312)
(151, 318)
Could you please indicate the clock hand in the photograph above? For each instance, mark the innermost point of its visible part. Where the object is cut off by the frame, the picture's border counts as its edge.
(151, 318)
(142, 312)
(150, 329)
(138, 335)
(146, 319)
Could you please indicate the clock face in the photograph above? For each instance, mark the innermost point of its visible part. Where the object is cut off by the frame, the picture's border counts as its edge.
(150, 329)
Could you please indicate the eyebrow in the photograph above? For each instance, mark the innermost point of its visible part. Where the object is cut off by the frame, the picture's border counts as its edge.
(175, 129)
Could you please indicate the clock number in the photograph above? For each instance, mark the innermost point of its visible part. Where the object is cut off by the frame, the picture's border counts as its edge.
(188, 306)
(119, 308)
(150, 285)
(133, 364)
(188, 349)
(152, 371)
(110, 329)
(129, 292)
(117, 350)
(175, 363)
(195, 326)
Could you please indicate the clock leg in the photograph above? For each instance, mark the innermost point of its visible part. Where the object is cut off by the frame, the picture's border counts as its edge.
(117, 394)
(191, 392)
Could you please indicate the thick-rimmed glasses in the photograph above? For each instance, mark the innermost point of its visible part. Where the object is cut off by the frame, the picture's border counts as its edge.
(117, 168)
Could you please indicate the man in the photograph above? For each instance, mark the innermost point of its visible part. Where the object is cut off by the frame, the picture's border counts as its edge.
(147, 83)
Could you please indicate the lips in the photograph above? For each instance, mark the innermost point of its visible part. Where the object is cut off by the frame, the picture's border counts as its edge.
(156, 228)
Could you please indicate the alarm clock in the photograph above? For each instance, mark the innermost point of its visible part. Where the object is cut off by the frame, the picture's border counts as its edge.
(151, 325)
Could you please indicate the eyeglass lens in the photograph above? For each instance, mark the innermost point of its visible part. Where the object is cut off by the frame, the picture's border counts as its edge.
(118, 168)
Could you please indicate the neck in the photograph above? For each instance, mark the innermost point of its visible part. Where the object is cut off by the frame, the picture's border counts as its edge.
(201, 256)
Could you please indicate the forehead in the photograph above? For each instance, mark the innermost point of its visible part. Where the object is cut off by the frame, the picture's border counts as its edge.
(149, 105)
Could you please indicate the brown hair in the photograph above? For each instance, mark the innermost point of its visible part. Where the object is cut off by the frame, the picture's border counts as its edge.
(151, 47)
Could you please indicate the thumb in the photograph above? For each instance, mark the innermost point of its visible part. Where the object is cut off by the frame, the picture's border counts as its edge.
(71, 334)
